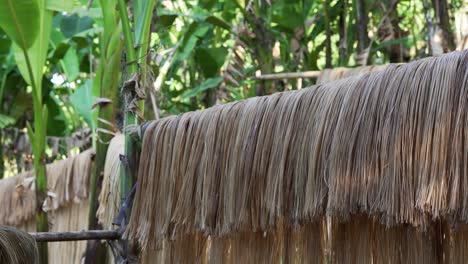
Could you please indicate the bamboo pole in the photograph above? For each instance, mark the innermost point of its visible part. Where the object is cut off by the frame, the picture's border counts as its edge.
(287, 75)
(76, 235)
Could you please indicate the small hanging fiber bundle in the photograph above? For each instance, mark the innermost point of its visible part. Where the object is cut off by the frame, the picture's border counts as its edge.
(67, 203)
(17, 247)
(109, 198)
(67, 180)
(390, 145)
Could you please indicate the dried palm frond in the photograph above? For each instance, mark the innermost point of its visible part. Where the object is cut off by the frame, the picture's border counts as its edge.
(390, 145)
(17, 247)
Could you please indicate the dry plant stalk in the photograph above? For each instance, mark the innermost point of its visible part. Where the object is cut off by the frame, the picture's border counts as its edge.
(390, 145)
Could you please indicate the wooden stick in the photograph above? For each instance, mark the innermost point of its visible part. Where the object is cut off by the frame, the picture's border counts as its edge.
(287, 75)
(76, 235)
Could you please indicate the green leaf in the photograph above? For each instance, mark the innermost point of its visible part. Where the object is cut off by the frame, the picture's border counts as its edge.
(207, 84)
(60, 5)
(5, 44)
(216, 21)
(143, 11)
(82, 100)
(210, 60)
(74, 24)
(194, 33)
(22, 104)
(37, 53)
(199, 15)
(57, 122)
(19, 19)
(6, 121)
(70, 64)
(391, 42)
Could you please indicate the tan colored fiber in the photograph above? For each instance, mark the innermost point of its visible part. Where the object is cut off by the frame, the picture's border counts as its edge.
(370, 142)
(17, 247)
(67, 203)
(67, 180)
(388, 145)
(109, 198)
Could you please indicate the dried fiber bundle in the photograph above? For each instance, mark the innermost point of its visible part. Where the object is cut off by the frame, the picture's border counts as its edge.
(17, 247)
(73, 217)
(109, 198)
(67, 203)
(285, 244)
(388, 144)
(17, 200)
(328, 75)
(67, 180)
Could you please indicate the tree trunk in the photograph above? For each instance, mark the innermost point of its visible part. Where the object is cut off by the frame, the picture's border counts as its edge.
(429, 26)
(328, 51)
(362, 19)
(264, 42)
(342, 29)
(397, 52)
(441, 9)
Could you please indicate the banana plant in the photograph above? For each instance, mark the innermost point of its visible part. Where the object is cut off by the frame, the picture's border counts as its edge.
(136, 49)
(28, 23)
(105, 88)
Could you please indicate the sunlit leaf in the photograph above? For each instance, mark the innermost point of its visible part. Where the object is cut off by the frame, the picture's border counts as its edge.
(59, 5)
(70, 64)
(17, 24)
(82, 100)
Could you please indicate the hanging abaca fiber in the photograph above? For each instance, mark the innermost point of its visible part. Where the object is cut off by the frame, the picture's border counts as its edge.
(380, 158)
(109, 198)
(67, 203)
(17, 247)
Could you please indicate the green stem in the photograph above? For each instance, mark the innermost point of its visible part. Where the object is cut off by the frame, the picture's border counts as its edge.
(128, 38)
(39, 159)
(130, 118)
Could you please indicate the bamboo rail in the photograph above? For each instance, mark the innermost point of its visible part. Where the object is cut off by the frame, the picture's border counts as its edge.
(287, 75)
(76, 235)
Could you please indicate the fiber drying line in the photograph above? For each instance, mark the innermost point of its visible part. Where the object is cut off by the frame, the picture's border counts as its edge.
(76, 235)
(287, 75)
